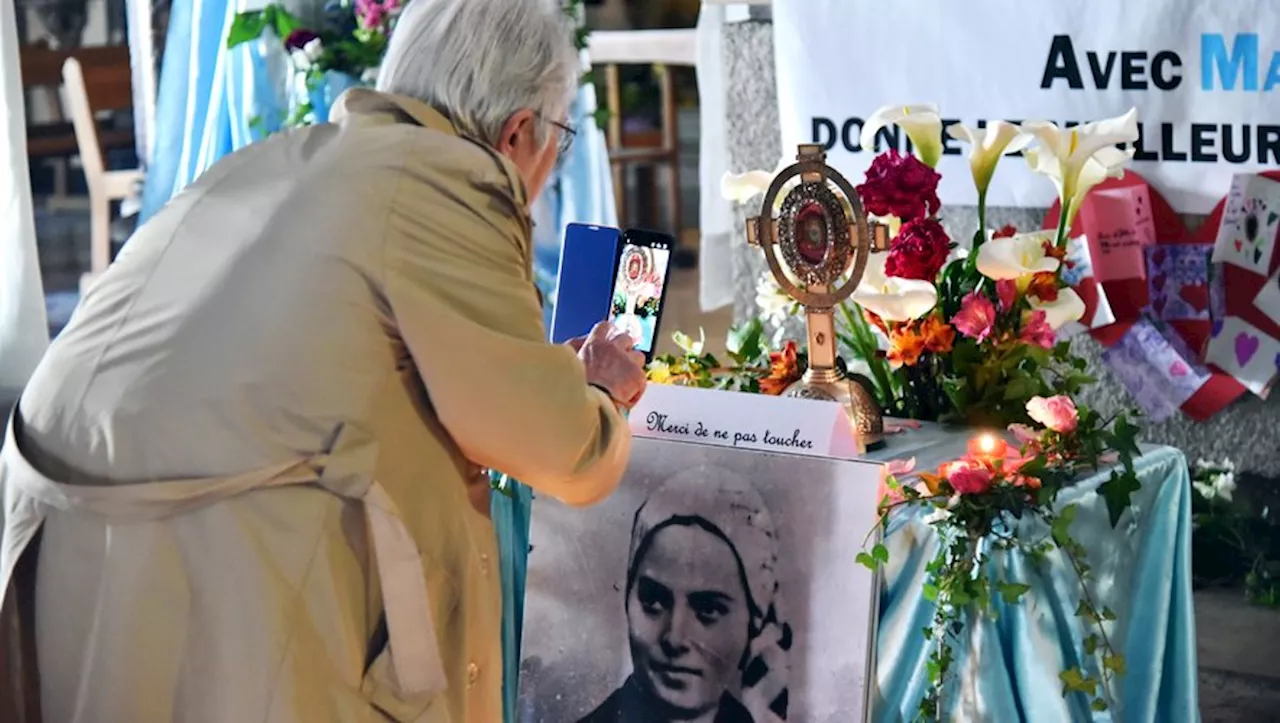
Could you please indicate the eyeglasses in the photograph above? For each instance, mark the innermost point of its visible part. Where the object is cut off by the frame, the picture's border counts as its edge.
(567, 134)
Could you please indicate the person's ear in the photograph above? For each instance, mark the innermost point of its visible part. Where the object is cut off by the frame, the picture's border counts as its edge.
(518, 134)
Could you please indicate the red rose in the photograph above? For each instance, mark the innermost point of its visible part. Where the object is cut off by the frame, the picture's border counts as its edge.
(919, 251)
(900, 185)
(299, 38)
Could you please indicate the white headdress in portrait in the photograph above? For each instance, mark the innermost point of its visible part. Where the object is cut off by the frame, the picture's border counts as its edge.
(733, 507)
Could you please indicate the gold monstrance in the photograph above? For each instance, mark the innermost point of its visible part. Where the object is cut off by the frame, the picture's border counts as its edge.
(822, 238)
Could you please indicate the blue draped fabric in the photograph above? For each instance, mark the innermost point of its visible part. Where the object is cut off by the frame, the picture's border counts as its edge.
(1007, 669)
(581, 192)
(208, 98)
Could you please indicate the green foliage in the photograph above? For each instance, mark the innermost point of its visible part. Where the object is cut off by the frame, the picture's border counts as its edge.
(251, 25)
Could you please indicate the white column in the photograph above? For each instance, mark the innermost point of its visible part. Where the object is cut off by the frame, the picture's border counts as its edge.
(142, 59)
(24, 331)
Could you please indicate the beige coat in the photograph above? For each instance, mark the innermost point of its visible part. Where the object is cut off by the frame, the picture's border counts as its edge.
(266, 425)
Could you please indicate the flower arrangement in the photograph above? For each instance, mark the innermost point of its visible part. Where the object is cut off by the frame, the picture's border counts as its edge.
(964, 334)
(968, 335)
(1000, 497)
(1232, 543)
(345, 50)
(349, 42)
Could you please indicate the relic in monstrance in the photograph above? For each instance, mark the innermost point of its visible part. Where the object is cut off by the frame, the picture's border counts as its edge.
(817, 248)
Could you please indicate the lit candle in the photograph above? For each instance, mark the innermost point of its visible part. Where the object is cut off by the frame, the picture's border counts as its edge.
(987, 448)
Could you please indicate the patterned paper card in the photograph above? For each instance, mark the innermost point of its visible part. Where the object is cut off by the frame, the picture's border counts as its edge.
(1241, 350)
(1250, 222)
(1119, 224)
(1156, 367)
(1217, 292)
(1268, 299)
(1077, 271)
(1178, 281)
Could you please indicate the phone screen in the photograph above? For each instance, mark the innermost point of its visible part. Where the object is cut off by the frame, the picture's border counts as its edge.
(639, 286)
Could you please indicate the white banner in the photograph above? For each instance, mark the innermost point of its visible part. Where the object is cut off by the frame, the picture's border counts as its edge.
(1205, 80)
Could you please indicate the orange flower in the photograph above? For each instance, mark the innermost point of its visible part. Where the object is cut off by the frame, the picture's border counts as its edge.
(905, 346)
(1054, 252)
(784, 370)
(875, 320)
(1044, 286)
(938, 334)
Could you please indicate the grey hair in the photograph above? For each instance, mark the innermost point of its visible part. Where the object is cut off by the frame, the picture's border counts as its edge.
(480, 61)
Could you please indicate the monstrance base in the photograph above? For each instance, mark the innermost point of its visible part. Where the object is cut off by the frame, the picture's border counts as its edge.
(831, 386)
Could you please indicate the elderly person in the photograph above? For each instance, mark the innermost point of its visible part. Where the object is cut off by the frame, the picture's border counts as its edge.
(701, 602)
(253, 463)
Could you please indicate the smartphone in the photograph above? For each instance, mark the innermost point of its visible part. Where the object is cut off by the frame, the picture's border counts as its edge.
(584, 284)
(640, 286)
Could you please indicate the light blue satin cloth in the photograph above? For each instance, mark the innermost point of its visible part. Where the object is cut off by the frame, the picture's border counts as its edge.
(208, 97)
(1008, 670)
(213, 101)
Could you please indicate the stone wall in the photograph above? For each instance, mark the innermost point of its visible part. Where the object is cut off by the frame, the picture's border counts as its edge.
(1248, 431)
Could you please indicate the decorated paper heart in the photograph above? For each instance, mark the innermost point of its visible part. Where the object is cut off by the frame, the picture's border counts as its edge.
(1159, 303)
(1197, 295)
(1157, 257)
(1246, 346)
(1157, 282)
(1178, 369)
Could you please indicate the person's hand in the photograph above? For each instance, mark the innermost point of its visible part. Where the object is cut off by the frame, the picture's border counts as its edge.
(576, 343)
(613, 364)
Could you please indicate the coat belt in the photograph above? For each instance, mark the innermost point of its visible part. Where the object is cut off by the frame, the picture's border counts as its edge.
(412, 642)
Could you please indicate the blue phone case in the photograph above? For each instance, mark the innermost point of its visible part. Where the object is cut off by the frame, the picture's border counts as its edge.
(584, 287)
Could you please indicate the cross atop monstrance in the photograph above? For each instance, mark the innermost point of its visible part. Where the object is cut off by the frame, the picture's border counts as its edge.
(825, 241)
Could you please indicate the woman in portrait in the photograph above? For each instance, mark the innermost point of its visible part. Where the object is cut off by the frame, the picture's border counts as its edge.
(702, 608)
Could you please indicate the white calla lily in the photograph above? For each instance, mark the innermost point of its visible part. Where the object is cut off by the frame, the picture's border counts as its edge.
(742, 187)
(989, 144)
(1068, 307)
(1016, 257)
(1069, 156)
(892, 298)
(921, 122)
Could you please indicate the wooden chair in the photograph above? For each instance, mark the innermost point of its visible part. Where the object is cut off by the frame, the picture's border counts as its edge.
(643, 47)
(91, 89)
(55, 140)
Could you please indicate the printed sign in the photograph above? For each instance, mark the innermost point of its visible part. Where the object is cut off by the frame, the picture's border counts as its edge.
(717, 583)
(745, 421)
(1202, 75)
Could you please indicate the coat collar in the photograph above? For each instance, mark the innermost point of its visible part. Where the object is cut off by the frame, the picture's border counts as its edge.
(359, 105)
(359, 102)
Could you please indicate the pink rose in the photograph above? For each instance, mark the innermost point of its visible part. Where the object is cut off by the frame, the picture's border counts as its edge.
(1036, 330)
(1057, 413)
(968, 477)
(976, 318)
(1024, 434)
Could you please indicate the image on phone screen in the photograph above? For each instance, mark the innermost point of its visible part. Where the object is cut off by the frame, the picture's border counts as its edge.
(639, 286)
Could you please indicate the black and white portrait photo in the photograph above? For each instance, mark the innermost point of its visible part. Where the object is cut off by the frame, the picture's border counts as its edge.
(717, 585)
